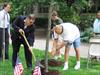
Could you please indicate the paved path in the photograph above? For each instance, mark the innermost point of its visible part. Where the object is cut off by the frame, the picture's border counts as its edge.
(40, 43)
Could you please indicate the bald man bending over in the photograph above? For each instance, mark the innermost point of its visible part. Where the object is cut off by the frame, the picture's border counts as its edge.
(70, 35)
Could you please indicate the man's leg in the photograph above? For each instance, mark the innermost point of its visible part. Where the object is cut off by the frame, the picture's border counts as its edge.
(67, 48)
(16, 46)
(6, 45)
(1, 43)
(28, 57)
(66, 58)
(77, 50)
(77, 66)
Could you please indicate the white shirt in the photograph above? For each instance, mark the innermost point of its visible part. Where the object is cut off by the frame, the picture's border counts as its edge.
(96, 26)
(4, 19)
(70, 32)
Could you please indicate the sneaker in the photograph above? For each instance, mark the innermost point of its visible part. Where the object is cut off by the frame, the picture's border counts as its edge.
(65, 66)
(77, 66)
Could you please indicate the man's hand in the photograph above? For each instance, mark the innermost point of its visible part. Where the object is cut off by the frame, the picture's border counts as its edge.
(21, 31)
(53, 52)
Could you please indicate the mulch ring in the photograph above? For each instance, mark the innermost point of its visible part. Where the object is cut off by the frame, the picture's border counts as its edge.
(53, 62)
(50, 72)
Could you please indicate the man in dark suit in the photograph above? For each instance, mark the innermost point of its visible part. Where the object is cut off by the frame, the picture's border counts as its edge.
(23, 25)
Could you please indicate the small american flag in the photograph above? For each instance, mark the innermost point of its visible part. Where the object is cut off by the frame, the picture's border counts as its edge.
(37, 70)
(18, 70)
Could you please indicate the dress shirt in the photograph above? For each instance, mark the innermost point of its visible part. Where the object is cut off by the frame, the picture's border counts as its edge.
(96, 26)
(4, 20)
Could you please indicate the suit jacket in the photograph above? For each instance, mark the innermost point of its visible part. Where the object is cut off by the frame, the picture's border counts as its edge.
(29, 31)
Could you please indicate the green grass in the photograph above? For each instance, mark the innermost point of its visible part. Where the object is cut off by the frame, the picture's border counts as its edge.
(6, 66)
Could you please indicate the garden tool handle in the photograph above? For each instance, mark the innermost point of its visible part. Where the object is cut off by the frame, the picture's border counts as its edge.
(30, 49)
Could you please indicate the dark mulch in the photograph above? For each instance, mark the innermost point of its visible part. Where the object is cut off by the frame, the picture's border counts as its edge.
(53, 62)
(50, 72)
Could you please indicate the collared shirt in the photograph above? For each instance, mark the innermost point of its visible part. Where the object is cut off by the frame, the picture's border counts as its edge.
(96, 26)
(4, 19)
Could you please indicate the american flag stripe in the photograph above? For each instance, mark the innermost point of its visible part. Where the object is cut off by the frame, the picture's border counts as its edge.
(37, 71)
(18, 69)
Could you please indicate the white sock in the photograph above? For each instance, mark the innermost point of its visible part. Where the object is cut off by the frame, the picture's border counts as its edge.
(78, 62)
(66, 63)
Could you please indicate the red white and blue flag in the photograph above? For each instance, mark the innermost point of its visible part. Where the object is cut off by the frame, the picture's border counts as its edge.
(37, 70)
(18, 70)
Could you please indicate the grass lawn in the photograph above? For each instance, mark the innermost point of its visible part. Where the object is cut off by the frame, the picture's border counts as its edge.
(6, 67)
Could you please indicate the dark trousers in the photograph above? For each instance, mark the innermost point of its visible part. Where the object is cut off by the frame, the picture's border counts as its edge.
(2, 43)
(16, 43)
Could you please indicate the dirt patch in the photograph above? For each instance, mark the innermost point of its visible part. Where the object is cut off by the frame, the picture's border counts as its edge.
(50, 72)
(53, 62)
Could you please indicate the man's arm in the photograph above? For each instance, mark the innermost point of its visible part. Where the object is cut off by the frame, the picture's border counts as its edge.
(9, 24)
(54, 45)
(16, 23)
(31, 36)
(1, 16)
(60, 21)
